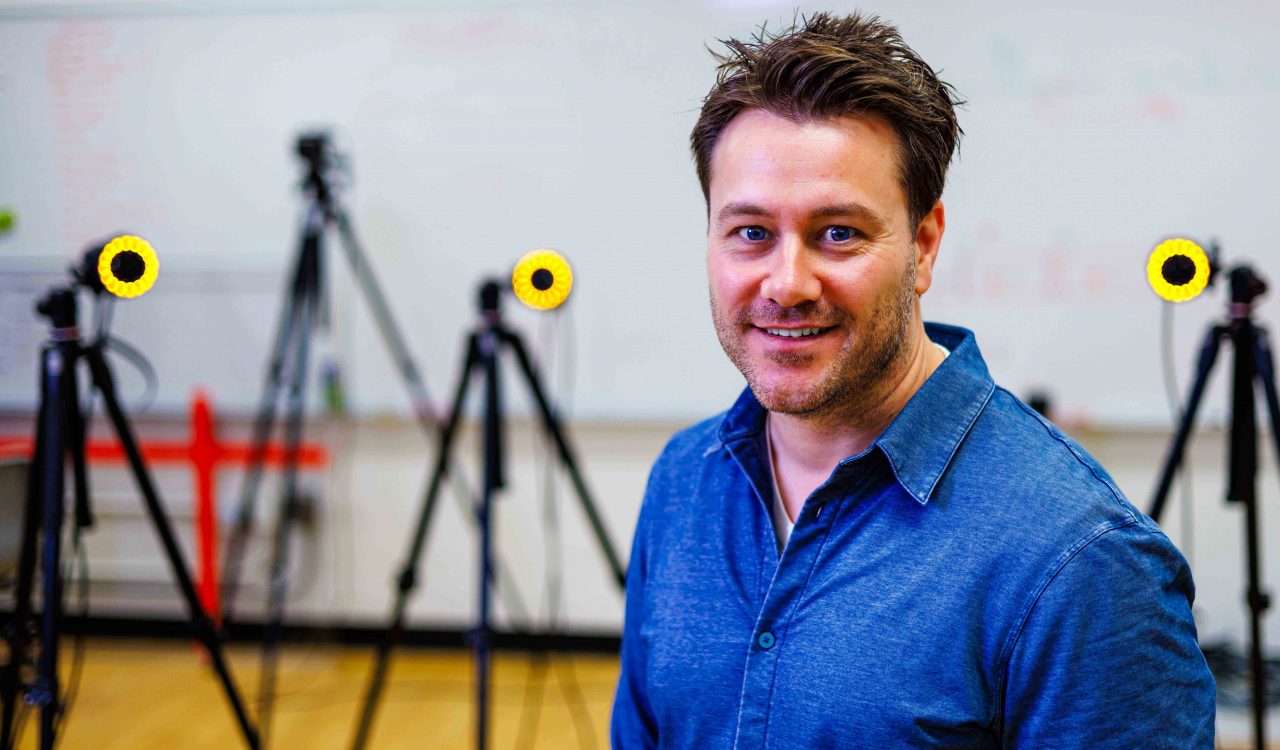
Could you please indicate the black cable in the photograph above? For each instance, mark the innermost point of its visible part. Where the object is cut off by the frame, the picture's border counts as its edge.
(553, 541)
(536, 671)
(566, 672)
(572, 691)
(139, 360)
(104, 313)
(80, 557)
(78, 647)
(553, 557)
(1175, 413)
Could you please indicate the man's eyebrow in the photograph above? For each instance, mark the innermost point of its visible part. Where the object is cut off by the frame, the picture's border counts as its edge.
(853, 210)
(739, 209)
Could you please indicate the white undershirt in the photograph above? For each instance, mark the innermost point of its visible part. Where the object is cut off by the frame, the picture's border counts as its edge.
(782, 524)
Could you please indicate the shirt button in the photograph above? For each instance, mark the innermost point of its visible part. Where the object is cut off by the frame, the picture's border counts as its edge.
(766, 640)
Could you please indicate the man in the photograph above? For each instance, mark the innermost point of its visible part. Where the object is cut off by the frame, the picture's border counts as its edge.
(876, 547)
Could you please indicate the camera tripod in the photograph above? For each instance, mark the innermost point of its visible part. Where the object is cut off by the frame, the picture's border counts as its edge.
(484, 350)
(287, 371)
(1253, 366)
(60, 434)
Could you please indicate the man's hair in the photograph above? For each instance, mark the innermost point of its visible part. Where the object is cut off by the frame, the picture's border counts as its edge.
(824, 67)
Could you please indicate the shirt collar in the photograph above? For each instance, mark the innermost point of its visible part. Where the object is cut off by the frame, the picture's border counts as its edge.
(921, 441)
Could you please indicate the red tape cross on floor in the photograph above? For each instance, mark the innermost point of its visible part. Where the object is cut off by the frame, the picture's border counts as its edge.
(206, 455)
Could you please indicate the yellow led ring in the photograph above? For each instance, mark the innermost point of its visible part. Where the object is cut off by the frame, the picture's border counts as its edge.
(128, 266)
(542, 279)
(1178, 281)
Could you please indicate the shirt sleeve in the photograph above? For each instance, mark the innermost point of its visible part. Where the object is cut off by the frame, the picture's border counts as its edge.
(633, 724)
(1107, 656)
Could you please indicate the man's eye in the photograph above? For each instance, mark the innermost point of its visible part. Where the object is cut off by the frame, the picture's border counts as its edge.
(840, 234)
(753, 234)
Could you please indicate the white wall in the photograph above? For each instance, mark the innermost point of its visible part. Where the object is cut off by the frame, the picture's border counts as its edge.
(1094, 129)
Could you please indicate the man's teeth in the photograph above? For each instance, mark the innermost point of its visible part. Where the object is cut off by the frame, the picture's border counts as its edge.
(794, 332)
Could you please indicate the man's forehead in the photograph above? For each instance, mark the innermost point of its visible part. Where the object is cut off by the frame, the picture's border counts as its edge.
(764, 162)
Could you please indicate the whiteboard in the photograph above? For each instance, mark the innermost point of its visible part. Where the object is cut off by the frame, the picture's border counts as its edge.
(479, 132)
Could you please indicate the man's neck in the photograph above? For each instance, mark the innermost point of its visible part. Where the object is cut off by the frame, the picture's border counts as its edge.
(814, 444)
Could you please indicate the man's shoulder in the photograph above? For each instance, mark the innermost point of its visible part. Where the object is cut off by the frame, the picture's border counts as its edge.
(1030, 469)
(1042, 505)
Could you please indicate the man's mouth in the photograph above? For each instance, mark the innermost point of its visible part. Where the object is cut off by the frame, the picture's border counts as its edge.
(795, 333)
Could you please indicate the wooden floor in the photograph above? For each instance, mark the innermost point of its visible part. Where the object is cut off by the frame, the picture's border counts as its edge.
(135, 694)
(162, 695)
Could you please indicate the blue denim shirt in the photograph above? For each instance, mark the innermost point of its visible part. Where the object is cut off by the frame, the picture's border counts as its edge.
(973, 579)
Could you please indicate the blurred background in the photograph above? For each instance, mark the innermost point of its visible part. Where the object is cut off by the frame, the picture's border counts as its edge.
(476, 131)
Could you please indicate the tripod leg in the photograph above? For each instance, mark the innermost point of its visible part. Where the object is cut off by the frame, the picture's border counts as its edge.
(395, 342)
(59, 369)
(286, 331)
(205, 629)
(17, 630)
(490, 353)
(1242, 486)
(406, 581)
(278, 586)
(1267, 375)
(410, 374)
(1260, 601)
(551, 424)
(1173, 458)
(77, 427)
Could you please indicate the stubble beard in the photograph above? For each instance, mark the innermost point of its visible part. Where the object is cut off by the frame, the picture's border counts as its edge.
(855, 380)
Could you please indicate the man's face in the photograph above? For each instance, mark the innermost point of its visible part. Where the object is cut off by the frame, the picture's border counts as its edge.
(813, 265)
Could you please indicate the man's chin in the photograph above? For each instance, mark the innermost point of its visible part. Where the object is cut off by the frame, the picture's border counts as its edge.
(795, 401)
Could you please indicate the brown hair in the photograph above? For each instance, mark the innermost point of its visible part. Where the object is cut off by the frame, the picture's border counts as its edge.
(824, 67)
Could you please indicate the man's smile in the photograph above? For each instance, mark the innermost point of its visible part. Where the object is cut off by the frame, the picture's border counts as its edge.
(790, 342)
(795, 332)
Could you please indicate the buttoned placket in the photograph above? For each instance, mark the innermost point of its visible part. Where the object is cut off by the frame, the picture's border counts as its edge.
(791, 573)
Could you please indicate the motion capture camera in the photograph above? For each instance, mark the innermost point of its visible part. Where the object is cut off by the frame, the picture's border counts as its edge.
(125, 266)
(1179, 270)
(542, 279)
(326, 168)
(315, 148)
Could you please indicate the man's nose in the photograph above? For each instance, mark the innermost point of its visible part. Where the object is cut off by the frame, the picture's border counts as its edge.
(791, 279)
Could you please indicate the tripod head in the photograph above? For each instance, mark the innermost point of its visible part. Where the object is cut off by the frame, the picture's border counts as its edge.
(313, 147)
(1246, 286)
(59, 306)
(320, 157)
(490, 297)
(126, 266)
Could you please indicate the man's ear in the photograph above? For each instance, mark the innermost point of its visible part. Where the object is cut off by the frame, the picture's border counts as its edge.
(928, 239)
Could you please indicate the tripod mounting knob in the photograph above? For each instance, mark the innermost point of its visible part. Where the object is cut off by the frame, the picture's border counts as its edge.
(490, 296)
(1246, 285)
(59, 306)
